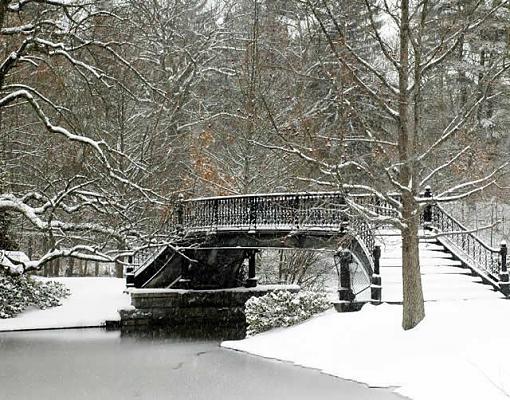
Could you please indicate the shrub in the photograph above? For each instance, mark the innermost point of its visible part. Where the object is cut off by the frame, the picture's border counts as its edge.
(282, 308)
(19, 292)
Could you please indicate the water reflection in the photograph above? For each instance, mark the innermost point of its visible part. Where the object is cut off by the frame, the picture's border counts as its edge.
(163, 332)
(97, 364)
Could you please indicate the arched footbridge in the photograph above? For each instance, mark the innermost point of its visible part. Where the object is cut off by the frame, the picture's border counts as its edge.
(212, 238)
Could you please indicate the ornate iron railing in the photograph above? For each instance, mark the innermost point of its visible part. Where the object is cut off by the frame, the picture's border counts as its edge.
(364, 231)
(291, 211)
(464, 244)
(144, 256)
(382, 207)
(268, 211)
(320, 210)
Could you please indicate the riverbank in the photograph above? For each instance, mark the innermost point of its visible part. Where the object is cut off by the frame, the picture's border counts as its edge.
(460, 351)
(92, 302)
(85, 364)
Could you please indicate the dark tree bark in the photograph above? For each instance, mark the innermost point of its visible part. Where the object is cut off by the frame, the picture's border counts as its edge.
(413, 306)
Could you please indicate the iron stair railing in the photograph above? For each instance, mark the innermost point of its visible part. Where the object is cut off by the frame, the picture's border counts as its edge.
(485, 261)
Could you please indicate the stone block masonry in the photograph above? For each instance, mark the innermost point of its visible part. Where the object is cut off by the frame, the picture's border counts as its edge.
(194, 313)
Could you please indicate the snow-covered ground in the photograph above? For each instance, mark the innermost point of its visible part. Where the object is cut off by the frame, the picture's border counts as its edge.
(460, 351)
(92, 302)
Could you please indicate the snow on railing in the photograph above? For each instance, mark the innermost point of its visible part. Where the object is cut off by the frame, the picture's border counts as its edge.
(323, 211)
(267, 211)
(488, 262)
(286, 211)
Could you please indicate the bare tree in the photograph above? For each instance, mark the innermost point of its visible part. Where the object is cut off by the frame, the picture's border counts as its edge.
(63, 180)
(398, 160)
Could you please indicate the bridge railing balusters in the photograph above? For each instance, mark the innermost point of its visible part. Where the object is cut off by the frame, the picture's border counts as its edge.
(215, 213)
(469, 248)
(219, 221)
(297, 211)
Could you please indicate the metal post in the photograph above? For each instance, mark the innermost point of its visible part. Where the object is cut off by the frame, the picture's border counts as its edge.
(376, 284)
(252, 280)
(345, 293)
(504, 283)
(427, 212)
(253, 212)
(180, 211)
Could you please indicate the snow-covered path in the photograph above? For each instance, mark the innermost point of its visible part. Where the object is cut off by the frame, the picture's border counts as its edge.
(92, 302)
(460, 351)
(442, 276)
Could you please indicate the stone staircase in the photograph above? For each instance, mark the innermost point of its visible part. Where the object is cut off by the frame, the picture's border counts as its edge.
(443, 277)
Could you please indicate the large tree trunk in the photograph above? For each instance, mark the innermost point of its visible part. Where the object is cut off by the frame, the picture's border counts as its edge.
(413, 306)
(56, 267)
(70, 268)
(119, 269)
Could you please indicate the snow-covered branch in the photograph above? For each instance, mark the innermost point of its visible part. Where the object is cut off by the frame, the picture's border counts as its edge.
(467, 189)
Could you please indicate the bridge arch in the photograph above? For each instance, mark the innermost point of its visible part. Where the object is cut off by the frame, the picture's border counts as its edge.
(217, 234)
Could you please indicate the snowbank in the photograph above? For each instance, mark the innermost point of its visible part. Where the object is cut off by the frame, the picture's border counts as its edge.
(92, 302)
(460, 351)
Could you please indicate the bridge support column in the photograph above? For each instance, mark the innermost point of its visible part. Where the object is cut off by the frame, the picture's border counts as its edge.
(345, 293)
(504, 282)
(252, 280)
(185, 281)
(130, 275)
(376, 284)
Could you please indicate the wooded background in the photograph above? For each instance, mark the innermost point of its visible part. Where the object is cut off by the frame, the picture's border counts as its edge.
(109, 110)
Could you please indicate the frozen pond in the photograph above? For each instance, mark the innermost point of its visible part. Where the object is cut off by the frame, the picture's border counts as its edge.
(95, 364)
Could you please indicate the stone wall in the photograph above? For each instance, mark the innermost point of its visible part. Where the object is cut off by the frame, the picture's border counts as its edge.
(197, 313)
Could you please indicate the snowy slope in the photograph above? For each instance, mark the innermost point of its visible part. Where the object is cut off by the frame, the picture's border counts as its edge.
(460, 350)
(92, 302)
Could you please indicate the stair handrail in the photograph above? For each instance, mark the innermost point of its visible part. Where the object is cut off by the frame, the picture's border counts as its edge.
(154, 252)
(463, 228)
(159, 270)
(481, 258)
